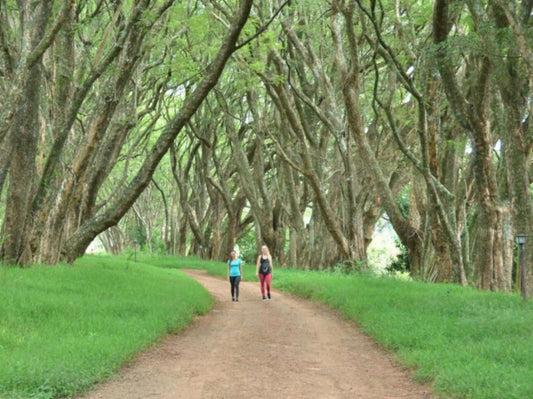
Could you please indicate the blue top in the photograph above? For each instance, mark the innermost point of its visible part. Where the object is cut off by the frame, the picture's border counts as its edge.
(234, 267)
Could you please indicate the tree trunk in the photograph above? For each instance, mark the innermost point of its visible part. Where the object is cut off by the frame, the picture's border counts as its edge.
(25, 135)
(473, 117)
(410, 235)
(515, 88)
(78, 242)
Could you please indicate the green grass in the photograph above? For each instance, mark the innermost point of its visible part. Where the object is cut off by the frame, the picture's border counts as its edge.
(188, 262)
(465, 343)
(64, 328)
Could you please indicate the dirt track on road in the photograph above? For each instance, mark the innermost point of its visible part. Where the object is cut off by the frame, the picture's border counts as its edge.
(283, 348)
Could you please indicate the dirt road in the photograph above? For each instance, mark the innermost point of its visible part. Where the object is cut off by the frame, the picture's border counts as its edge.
(283, 348)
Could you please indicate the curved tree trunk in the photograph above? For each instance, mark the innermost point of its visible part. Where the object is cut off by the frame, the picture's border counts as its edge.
(78, 242)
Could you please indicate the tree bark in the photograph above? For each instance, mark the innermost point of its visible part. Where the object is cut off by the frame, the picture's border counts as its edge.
(409, 234)
(78, 242)
(474, 120)
(515, 88)
(25, 134)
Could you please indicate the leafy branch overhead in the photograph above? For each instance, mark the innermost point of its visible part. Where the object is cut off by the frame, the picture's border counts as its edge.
(193, 127)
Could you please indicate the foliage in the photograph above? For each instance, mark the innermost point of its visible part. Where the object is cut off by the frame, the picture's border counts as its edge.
(190, 262)
(384, 247)
(65, 328)
(119, 73)
(401, 263)
(280, 109)
(247, 247)
(403, 201)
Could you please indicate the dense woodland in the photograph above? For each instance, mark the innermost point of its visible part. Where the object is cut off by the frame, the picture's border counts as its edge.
(190, 126)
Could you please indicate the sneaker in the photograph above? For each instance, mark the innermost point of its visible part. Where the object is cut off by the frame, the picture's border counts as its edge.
(264, 298)
(233, 299)
(237, 300)
(269, 297)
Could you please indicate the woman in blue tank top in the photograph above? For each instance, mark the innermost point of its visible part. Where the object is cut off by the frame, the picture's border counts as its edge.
(234, 274)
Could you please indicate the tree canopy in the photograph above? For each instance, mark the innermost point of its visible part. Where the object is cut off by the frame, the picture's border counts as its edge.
(192, 126)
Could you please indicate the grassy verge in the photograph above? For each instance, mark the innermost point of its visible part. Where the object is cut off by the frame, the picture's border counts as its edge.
(465, 343)
(63, 328)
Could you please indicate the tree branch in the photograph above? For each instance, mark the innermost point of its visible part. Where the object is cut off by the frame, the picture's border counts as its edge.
(263, 28)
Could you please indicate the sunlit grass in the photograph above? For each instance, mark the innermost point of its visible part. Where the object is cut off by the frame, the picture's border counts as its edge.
(466, 343)
(63, 328)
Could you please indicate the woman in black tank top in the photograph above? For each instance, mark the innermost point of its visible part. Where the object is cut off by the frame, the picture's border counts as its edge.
(264, 270)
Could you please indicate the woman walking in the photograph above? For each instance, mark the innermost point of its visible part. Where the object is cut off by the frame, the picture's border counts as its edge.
(234, 274)
(265, 270)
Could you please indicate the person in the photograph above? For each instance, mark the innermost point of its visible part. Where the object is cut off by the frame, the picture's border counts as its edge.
(234, 274)
(265, 271)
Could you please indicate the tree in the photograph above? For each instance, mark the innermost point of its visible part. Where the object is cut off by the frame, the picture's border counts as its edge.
(515, 80)
(56, 215)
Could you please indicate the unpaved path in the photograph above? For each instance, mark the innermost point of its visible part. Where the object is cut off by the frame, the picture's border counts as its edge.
(283, 348)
